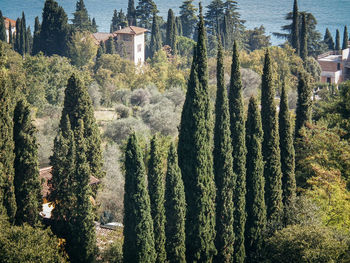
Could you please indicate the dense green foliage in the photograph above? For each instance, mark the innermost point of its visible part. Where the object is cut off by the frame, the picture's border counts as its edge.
(303, 39)
(345, 38)
(119, 20)
(156, 39)
(188, 18)
(81, 20)
(171, 32)
(131, 13)
(36, 37)
(145, 10)
(3, 36)
(337, 40)
(303, 110)
(295, 28)
(328, 39)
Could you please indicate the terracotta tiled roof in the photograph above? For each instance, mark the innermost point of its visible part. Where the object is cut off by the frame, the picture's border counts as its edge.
(131, 30)
(7, 22)
(99, 36)
(46, 175)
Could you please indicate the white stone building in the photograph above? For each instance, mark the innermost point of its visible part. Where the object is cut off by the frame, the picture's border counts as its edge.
(7, 25)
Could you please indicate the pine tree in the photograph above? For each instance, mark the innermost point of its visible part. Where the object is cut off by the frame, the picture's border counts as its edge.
(81, 241)
(3, 36)
(26, 180)
(175, 210)
(328, 39)
(78, 105)
(138, 243)
(270, 146)
(131, 13)
(287, 152)
(239, 154)
(337, 40)
(81, 17)
(115, 20)
(156, 193)
(223, 169)
(214, 16)
(188, 18)
(119, 20)
(36, 39)
(295, 29)
(303, 110)
(345, 38)
(195, 158)
(110, 47)
(255, 200)
(171, 33)
(303, 39)
(156, 39)
(178, 24)
(144, 12)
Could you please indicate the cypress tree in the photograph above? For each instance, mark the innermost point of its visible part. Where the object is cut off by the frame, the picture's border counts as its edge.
(10, 34)
(239, 154)
(29, 41)
(36, 39)
(156, 193)
(18, 33)
(78, 105)
(175, 210)
(295, 29)
(303, 110)
(93, 26)
(81, 17)
(115, 20)
(26, 180)
(287, 153)
(110, 47)
(178, 24)
(156, 40)
(337, 40)
(328, 39)
(195, 157)
(131, 13)
(270, 146)
(3, 36)
(170, 39)
(138, 243)
(223, 169)
(303, 40)
(255, 200)
(345, 38)
(81, 241)
(23, 42)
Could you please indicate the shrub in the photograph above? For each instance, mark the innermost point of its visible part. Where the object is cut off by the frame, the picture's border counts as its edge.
(122, 111)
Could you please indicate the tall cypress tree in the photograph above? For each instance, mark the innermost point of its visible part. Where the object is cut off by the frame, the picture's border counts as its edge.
(156, 193)
(295, 29)
(26, 180)
(80, 19)
(36, 39)
(22, 36)
(345, 38)
(195, 157)
(17, 34)
(3, 36)
(138, 243)
(131, 13)
(178, 24)
(223, 169)
(156, 39)
(110, 47)
(270, 146)
(239, 154)
(328, 39)
(303, 110)
(303, 40)
(170, 39)
(337, 40)
(10, 34)
(255, 200)
(287, 152)
(175, 210)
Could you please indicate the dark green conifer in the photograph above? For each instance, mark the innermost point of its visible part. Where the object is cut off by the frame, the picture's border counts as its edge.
(178, 24)
(175, 210)
(29, 40)
(93, 26)
(337, 40)
(131, 13)
(255, 200)
(156, 39)
(10, 34)
(17, 34)
(195, 157)
(36, 39)
(138, 243)
(26, 180)
(270, 146)
(303, 110)
(144, 12)
(328, 39)
(22, 36)
(170, 39)
(345, 38)
(303, 39)
(3, 36)
(287, 152)
(295, 29)
(188, 18)
(110, 47)
(156, 194)
(223, 169)
(119, 20)
(239, 154)
(80, 19)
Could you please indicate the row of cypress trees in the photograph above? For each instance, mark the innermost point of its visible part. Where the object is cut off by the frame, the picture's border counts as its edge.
(328, 39)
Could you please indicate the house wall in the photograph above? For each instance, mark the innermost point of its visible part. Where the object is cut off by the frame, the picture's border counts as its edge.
(7, 33)
(139, 49)
(330, 65)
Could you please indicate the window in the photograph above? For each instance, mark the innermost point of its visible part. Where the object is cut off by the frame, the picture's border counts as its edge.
(338, 66)
(329, 80)
(139, 47)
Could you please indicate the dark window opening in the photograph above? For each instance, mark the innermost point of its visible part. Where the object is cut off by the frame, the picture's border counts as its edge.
(338, 66)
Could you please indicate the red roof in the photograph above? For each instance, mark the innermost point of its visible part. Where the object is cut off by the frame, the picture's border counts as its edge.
(131, 30)
(7, 22)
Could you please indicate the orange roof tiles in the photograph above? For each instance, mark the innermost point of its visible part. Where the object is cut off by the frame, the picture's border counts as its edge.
(7, 22)
(131, 30)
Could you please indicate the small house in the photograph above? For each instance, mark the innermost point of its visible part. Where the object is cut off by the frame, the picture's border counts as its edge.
(9, 21)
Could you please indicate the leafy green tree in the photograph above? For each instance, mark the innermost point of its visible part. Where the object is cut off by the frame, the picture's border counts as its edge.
(239, 154)
(171, 32)
(26, 180)
(223, 169)
(303, 110)
(337, 40)
(175, 210)
(81, 20)
(145, 10)
(131, 13)
(255, 200)
(257, 38)
(36, 38)
(195, 157)
(270, 146)
(156, 39)
(138, 226)
(295, 29)
(328, 39)
(119, 20)
(345, 38)
(81, 49)
(178, 24)
(303, 39)
(188, 18)
(287, 152)
(3, 36)
(156, 194)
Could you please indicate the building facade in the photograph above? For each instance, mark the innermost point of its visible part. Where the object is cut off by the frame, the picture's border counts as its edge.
(9, 21)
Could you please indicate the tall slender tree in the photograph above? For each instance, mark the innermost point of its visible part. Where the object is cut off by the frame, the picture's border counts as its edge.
(188, 18)
(17, 33)
(156, 193)
(337, 40)
(195, 157)
(345, 38)
(328, 39)
(171, 33)
(295, 28)
(3, 36)
(36, 39)
(223, 169)
(303, 39)
(131, 13)
(239, 154)
(110, 47)
(10, 40)
(270, 146)
(144, 12)
(175, 210)
(303, 110)
(138, 243)
(287, 154)
(255, 200)
(156, 39)
(26, 180)
(81, 19)
(178, 26)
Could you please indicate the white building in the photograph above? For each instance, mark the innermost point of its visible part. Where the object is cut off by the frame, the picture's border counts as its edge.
(9, 21)
(130, 41)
